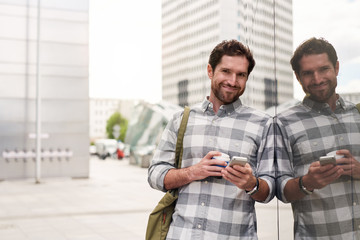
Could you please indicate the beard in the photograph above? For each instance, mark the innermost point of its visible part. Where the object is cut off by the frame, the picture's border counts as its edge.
(323, 95)
(224, 96)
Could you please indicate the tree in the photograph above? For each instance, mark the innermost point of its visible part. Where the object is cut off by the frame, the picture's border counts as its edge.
(112, 129)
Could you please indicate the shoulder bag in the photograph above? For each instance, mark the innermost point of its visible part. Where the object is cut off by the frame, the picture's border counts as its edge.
(161, 217)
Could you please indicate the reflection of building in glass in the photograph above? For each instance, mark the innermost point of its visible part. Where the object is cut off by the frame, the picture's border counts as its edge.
(273, 110)
(191, 29)
(63, 68)
(352, 97)
(100, 111)
(270, 93)
(183, 93)
(145, 128)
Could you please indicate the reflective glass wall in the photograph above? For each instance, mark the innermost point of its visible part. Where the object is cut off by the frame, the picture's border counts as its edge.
(192, 28)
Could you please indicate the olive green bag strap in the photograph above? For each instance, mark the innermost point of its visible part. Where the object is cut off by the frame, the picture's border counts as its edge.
(180, 137)
(179, 141)
(161, 217)
(358, 107)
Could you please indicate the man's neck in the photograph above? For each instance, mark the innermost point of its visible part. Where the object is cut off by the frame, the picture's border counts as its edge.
(332, 101)
(216, 103)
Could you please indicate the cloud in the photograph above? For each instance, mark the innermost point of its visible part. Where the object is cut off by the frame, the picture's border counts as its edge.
(336, 21)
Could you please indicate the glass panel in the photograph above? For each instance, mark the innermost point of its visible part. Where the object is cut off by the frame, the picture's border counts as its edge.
(322, 129)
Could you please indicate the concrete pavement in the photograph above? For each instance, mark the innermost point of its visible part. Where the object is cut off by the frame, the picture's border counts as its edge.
(113, 203)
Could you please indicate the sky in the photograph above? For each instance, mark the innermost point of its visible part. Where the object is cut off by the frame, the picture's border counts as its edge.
(125, 44)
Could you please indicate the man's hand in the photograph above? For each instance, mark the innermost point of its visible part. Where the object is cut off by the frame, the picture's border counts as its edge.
(348, 163)
(319, 176)
(176, 178)
(206, 167)
(241, 176)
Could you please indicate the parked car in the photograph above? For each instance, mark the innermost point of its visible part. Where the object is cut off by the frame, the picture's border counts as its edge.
(106, 148)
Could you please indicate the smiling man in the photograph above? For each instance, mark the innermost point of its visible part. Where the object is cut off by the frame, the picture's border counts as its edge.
(325, 198)
(216, 201)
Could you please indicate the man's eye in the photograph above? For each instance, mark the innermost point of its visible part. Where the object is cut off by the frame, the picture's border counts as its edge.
(324, 69)
(306, 74)
(243, 75)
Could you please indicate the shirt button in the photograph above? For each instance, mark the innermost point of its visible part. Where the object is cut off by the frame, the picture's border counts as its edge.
(341, 138)
(354, 203)
(202, 204)
(206, 182)
(199, 226)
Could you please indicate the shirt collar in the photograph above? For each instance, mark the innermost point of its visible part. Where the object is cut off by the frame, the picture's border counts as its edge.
(318, 106)
(229, 108)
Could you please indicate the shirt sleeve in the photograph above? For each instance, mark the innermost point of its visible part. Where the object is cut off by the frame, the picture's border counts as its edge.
(164, 156)
(283, 159)
(265, 162)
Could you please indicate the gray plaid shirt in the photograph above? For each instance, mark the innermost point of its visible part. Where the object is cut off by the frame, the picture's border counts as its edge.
(215, 208)
(306, 132)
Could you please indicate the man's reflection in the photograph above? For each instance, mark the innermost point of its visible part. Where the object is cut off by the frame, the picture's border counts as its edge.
(324, 195)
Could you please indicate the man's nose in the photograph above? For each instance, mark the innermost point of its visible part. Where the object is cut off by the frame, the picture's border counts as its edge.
(317, 77)
(232, 79)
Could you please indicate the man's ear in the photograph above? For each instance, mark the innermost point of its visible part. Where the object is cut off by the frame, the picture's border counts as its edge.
(210, 71)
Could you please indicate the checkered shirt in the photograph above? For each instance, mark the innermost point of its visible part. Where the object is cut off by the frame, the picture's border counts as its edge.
(306, 132)
(215, 208)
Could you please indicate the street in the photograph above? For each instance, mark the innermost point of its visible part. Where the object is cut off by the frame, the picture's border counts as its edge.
(113, 203)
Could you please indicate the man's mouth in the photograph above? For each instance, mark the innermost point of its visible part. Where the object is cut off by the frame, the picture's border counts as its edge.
(230, 88)
(319, 86)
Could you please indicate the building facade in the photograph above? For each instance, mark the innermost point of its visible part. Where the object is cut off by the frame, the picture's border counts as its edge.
(100, 111)
(352, 97)
(46, 44)
(191, 29)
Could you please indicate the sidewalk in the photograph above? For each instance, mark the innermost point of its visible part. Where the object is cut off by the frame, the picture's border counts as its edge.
(113, 204)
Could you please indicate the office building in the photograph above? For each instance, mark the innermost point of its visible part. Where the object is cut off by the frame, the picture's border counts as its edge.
(191, 29)
(46, 44)
(351, 96)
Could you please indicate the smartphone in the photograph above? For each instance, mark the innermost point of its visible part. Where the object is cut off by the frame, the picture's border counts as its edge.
(238, 161)
(327, 160)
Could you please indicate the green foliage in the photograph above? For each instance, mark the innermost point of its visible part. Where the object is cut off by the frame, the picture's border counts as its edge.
(114, 119)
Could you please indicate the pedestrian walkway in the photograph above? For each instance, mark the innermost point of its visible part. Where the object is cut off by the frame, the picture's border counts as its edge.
(112, 204)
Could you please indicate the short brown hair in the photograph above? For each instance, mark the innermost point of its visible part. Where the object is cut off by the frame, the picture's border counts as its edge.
(313, 46)
(231, 48)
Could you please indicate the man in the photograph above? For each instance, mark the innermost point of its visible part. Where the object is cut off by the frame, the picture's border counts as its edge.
(325, 198)
(217, 202)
